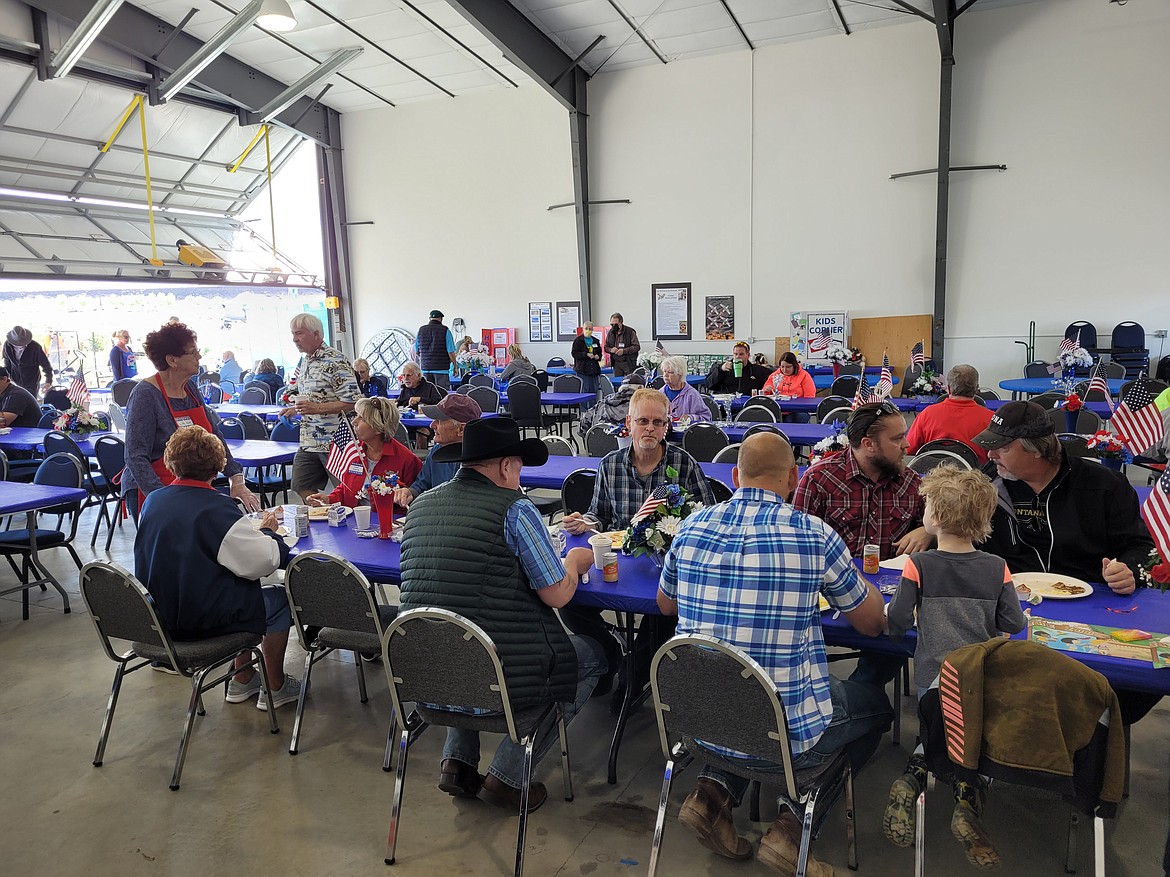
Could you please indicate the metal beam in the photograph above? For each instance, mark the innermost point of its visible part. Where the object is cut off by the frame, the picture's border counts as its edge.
(944, 17)
(637, 30)
(83, 36)
(840, 17)
(202, 57)
(298, 89)
(914, 9)
(739, 27)
(335, 237)
(578, 143)
(140, 34)
(459, 42)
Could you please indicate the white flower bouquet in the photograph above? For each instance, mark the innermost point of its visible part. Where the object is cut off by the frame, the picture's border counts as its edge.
(78, 421)
(650, 359)
(842, 355)
(927, 384)
(658, 521)
(829, 447)
(1078, 358)
(475, 359)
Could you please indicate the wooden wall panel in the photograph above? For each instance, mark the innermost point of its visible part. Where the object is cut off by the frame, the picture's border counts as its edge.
(893, 335)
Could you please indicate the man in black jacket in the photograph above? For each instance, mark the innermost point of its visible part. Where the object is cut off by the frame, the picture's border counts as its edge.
(739, 374)
(622, 346)
(1062, 514)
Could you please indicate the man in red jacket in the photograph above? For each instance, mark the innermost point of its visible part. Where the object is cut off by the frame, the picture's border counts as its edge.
(958, 416)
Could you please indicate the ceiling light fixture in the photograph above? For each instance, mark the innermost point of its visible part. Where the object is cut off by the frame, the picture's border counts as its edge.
(209, 51)
(297, 90)
(275, 15)
(82, 38)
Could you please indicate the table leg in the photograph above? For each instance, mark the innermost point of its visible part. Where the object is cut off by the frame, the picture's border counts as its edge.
(624, 713)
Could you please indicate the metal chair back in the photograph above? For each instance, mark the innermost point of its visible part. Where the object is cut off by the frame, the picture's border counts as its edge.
(555, 362)
(577, 491)
(729, 454)
(541, 379)
(850, 368)
(3, 466)
(954, 446)
(986, 393)
(828, 404)
(598, 441)
(566, 384)
(846, 386)
(516, 380)
(524, 404)
(755, 414)
(1087, 421)
(122, 609)
(284, 431)
(767, 427)
(719, 490)
(559, 446)
(482, 380)
(837, 415)
(120, 391)
(327, 591)
(923, 463)
(703, 441)
(47, 419)
(232, 428)
(712, 406)
(253, 424)
(764, 402)
(487, 397)
(117, 417)
(605, 386)
(247, 395)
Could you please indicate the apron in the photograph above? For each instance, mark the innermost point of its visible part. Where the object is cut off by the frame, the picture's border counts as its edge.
(191, 417)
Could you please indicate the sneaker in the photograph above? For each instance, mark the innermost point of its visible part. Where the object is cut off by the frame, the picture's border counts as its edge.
(163, 668)
(287, 693)
(239, 692)
(780, 848)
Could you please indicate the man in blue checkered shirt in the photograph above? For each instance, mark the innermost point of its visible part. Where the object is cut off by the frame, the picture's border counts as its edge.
(748, 572)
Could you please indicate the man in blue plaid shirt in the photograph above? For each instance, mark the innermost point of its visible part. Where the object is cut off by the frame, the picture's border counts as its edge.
(748, 572)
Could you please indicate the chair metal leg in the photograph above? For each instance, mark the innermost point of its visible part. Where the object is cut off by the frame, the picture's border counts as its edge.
(1125, 730)
(361, 673)
(754, 801)
(111, 705)
(300, 714)
(850, 818)
(920, 834)
(810, 807)
(1070, 855)
(566, 767)
(399, 782)
(265, 686)
(185, 740)
(896, 733)
(660, 821)
(1099, 846)
(525, 784)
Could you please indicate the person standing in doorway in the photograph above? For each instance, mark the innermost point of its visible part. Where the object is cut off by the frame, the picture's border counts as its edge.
(435, 346)
(123, 360)
(25, 359)
(622, 346)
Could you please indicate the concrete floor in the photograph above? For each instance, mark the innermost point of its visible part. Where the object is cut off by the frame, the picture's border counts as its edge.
(247, 807)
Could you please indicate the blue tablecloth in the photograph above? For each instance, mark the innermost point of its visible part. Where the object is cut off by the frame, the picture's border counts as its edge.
(553, 473)
(823, 382)
(798, 433)
(1035, 386)
(16, 497)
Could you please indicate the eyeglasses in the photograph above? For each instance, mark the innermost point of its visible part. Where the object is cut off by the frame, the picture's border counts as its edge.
(655, 422)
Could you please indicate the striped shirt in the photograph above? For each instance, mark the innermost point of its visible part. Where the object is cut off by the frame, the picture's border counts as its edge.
(620, 491)
(748, 572)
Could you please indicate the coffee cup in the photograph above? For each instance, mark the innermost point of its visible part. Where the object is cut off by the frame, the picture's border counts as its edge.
(361, 517)
(601, 546)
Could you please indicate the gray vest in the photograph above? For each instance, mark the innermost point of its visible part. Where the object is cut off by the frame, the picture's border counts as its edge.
(432, 347)
(454, 557)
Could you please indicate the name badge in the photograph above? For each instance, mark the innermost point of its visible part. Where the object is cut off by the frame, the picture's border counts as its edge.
(357, 469)
(620, 345)
(183, 422)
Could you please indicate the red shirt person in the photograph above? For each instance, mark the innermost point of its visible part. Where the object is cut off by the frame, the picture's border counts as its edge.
(958, 416)
(374, 426)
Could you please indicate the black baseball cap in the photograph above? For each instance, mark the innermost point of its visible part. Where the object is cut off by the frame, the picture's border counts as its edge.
(1012, 421)
(436, 314)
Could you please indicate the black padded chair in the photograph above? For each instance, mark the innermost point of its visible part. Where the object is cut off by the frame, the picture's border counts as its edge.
(555, 362)
(719, 490)
(524, 405)
(541, 379)
(254, 427)
(487, 397)
(846, 386)
(955, 446)
(850, 368)
(713, 407)
(333, 608)
(110, 453)
(558, 446)
(764, 402)
(255, 394)
(829, 403)
(598, 441)
(122, 609)
(436, 656)
(705, 689)
(703, 441)
(566, 384)
(657, 382)
(1050, 399)
(516, 380)
(577, 491)
(482, 380)
(1129, 349)
(47, 419)
(231, 428)
(120, 391)
(755, 414)
(1076, 445)
(985, 393)
(923, 463)
(729, 454)
(1151, 385)
(1087, 422)
(767, 427)
(1037, 369)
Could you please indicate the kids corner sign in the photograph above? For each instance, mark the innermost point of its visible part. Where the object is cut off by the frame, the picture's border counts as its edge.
(814, 332)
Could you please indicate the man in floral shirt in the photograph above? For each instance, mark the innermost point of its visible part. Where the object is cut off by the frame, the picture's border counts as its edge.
(326, 388)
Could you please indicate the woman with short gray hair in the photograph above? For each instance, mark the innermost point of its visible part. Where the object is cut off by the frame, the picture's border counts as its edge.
(685, 400)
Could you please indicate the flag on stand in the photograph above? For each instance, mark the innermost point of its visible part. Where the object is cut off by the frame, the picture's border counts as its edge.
(1137, 421)
(818, 341)
(343, 450)
(863, 394)
(78, 392)
(885, 384)
(1098, 381)
(1068, 345)
(1156, 514)
(658, 346)
(652, 502)
(918, 354)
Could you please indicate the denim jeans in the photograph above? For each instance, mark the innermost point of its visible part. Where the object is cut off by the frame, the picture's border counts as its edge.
(861, 715)
(508, 763)
(589, 385)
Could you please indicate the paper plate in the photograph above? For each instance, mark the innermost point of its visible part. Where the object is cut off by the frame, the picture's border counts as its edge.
(1051, 586)
(898, 563)
(321, 513)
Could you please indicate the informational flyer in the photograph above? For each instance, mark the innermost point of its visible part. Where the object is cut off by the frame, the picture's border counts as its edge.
(823, 329)
(568, 319)
(671, 311)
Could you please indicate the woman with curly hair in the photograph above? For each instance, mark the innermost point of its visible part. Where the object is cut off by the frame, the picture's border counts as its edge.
(162, 404)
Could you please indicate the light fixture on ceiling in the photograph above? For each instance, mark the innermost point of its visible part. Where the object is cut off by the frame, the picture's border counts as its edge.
(276, 15)
(297, 90)
(82, 38)
(209, 51)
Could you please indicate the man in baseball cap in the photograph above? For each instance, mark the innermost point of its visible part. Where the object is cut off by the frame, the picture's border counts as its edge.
(1012, 421)
(449, 417)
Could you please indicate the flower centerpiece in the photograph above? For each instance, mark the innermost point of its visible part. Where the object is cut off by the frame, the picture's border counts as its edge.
(288, 396)
(1155, 572)
(382, 498)
(927, 384)
(840, 355)
(829, 447)
(1071, 360)
(621, 432)
(651, 360)
(1072, 404)
(77, 421)
(656, 524)
(1109, 448)
(475, 361)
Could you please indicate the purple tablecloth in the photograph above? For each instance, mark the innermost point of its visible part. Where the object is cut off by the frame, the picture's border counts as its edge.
(798, 433)
(377, 558)
(29, 438)
(553, 473)
(16, 497)
(257, 452)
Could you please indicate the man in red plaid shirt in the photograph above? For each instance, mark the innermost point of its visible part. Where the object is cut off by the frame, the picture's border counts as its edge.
(866, 493)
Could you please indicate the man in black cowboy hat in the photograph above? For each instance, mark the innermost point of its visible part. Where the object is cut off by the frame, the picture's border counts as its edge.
(478, 547)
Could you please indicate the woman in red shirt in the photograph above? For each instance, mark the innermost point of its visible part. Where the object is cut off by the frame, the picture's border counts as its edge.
(790, 381)
(374, 426)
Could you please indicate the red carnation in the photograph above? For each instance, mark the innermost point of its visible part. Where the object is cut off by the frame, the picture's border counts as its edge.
(1073, 402)
(1161, 573)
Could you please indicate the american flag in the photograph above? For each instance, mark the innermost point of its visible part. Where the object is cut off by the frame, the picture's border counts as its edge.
(658, 346)
(343, 450)
(78, 392)
(1068, 345)
(885, 384)
(1156, 514)
(655, 499)
(818, 340)
(863, 394)
(918, 353)
(1138, 421)
(1098, 381)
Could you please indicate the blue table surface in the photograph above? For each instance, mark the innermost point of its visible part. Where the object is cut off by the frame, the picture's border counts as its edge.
(258, 452)
(567, 399)
(1035, 386)
(16, 497)
(798, 433)
(553, 473)
(823, 382)
(809, 405)
(234, 409)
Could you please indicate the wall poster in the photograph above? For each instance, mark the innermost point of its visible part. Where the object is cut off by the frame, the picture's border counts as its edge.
(824, 329)
(671, 311)
(540, 321)
(568, 320)
(720, 317)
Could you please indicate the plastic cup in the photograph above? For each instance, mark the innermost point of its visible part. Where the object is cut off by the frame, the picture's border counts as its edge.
(601, 546)
(737, 367)
(361, 517)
